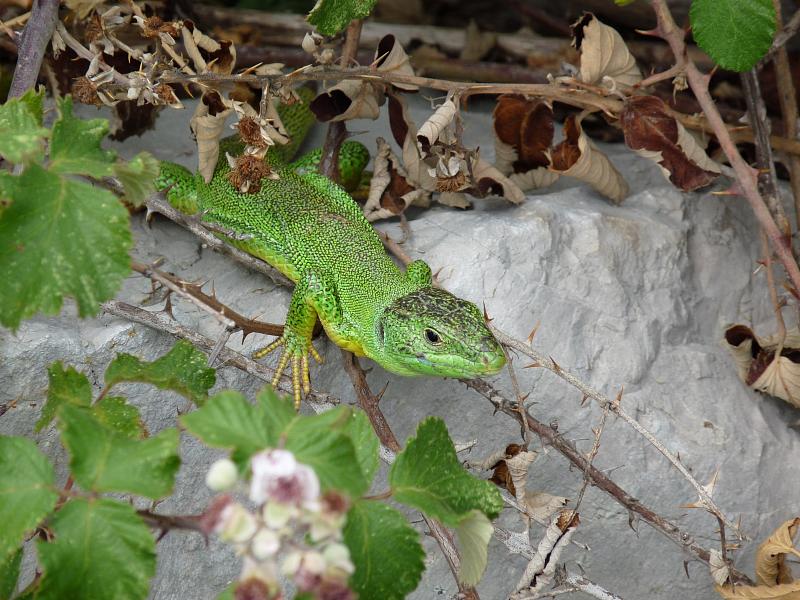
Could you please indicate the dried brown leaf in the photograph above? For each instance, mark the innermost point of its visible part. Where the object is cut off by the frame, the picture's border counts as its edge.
(577, 157)
(431, 129)
(771, 566)
(208, 124)
(454, 200)
(489, 180)
(348, 99)
(526, 126)
(542, 506)
(390, 57)
(766, 365)
(656, 135)
(603, 53)
(389, 191)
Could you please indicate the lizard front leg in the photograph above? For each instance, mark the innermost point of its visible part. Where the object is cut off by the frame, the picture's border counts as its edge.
(311, 298)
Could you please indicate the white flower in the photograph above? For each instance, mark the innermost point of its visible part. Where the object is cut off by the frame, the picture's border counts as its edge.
(291, 563)
(265, 544)
(236, 524)
(313, 562)
(276, 515)
(222, 475)
(337, 556)
(278, 477)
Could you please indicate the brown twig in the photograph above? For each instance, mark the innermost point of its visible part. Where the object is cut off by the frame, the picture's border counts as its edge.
(33, 45)
(773, 292)
(746, 177)
(783, 36)
(599, 479)
(598, 433)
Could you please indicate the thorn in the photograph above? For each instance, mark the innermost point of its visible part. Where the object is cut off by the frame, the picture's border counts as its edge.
(584, 399)
(655, 32)
(533, 365)
(556, 367)
(532, 334)
(486, 316)
(380, 394)
(686, 568)
(678, 456)
(618, 399)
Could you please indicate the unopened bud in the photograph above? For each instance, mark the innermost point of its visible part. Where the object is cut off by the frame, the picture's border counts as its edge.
(222, 475)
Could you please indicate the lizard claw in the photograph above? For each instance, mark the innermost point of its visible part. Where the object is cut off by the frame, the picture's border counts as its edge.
(301, 382)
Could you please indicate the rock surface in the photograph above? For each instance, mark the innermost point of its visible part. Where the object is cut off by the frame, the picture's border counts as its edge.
(636, 295)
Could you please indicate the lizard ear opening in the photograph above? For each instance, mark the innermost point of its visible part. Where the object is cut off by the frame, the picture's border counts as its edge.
(420, 273)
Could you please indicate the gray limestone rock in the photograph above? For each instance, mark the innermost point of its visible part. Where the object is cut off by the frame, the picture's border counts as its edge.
(636, 295)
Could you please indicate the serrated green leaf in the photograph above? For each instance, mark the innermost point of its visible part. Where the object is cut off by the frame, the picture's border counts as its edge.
(66, 385)
(228, 420)
(183, 369)
(332, 16)
(102, 460)
(22, 137)
(735, 33)
(385, 550)
(75, 144)
(60, 237)
(8, 189)
(278, 410)
(227, 593)
(34, 100)
(115, 413)
(26, 490)
(138, 177)
(9, 574)
(355, 425)
(102, 551)
(473, 535)
(428, 476)
(329, 453)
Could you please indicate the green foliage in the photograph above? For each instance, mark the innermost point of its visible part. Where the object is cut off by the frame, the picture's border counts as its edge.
(183, 369)
(115, 413)
(67, 386)
(332, 16)
(60, 236)
(735, 33)
(385, 549)
(428, 476)
(473, 535)
(103, 460)
(229, 421)
(22, 137)
(623, 2)
(102, 551)
(26, 490)
(9, 574)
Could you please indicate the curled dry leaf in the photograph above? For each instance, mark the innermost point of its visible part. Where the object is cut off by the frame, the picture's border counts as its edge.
(389, 191)
(653, 133)
(523, 133)
(488, 180)
(775, 581)
(207, 54)
(539, 571)
(208, 123)
(765, 364)
(603, 53)
(541, 506)
(577, 157)
(720, 571)
(390, 57)
(436, 124)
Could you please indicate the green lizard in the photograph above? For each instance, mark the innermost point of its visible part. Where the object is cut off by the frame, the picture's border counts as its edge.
(312, 231)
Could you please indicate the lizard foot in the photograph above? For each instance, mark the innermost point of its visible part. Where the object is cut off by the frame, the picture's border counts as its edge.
(292, 351)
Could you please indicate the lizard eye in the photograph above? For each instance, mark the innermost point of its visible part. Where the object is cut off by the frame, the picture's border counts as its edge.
(433, 337)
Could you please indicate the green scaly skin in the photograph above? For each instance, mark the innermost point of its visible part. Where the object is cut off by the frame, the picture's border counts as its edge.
(311, 230)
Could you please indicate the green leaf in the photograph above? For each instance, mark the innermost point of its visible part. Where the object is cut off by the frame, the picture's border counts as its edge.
(8, 189)
(735, 33)
(102, 551)
(9, 574)
(115, 413)
(228, 420)
(278, 411)
(60, 237)
(183, 369)
(329, 453)
(385, 550)
(103, 460)
(67, 386)
(22, 136)
(137, 177)
(332, 16)
(26, 490)
(473, 535)
(355, 425)
(428, 476)
(75, 144)
(34, 100)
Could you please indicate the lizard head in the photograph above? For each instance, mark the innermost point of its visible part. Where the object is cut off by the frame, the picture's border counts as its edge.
(432, 332)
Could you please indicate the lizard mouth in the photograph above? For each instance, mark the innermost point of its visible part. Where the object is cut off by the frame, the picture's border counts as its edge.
(488, 363)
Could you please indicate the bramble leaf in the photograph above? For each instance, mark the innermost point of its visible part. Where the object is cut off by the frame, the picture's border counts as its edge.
(385, 550)
(735, 33)
(102, 550)
(428, 476)
(115, 413)
(473, 535)
(26, 490)
(332, 16)
(9, 574)
(183, 370)
(137, 176)
(103, 460)
(66, 386)
(22, 136)
(75, 144)
(60, 237)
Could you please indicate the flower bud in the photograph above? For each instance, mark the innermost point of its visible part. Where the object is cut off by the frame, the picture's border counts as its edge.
(309, 43)
(222, 475)
(276, 514)
(337, 556)
(236, 524)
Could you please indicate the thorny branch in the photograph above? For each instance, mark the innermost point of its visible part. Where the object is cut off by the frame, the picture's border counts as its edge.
(33, 44)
